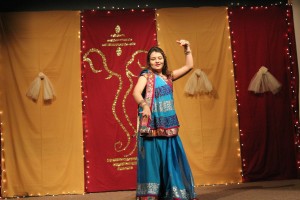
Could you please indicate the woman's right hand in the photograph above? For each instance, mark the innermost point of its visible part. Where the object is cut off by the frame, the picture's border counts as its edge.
(146, 112)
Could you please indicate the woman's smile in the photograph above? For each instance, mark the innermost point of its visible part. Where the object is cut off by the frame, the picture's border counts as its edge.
(156, 61)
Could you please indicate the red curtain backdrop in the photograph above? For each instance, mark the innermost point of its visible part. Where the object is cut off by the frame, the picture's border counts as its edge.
(114, 45)
(261, 37)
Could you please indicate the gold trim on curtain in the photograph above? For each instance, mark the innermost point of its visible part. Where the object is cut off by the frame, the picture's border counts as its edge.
(43, 144)
(209, 124)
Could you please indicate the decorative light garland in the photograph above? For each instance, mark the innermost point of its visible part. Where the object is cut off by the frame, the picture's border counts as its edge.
(83, 98)
(3, 171)
(104, 7)
(234, 56)
(238, 4)
(292, 69)
(147, 5)
(233, 77)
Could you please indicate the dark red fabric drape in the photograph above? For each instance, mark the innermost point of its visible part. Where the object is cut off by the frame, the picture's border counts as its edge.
(267, 123)
(114, 45)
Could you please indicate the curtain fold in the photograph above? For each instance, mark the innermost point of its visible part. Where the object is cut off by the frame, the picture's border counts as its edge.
(209, 127)
(42, 140)
(260, 38)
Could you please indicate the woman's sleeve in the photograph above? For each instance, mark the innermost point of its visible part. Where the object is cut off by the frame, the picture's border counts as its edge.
(144, 73)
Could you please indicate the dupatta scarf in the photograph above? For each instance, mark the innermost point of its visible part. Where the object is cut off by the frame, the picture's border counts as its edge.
(159, 97)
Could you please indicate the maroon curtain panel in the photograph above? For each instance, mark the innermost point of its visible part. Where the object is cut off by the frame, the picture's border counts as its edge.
(262, 36)
(114, 49)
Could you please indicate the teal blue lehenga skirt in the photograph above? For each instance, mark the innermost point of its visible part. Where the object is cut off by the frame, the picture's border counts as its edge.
(163, 170)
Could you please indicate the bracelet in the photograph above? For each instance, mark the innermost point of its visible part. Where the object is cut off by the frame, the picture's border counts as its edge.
(142, 103)
(187, 52)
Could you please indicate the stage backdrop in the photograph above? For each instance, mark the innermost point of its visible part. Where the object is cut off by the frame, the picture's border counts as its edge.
(268, 122)
(209, 126)
(42, 140)
(114, 49)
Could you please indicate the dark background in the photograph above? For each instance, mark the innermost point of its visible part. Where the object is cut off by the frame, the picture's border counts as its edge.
(44, 5)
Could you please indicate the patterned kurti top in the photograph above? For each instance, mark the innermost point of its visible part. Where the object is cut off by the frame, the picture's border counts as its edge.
(159, 97)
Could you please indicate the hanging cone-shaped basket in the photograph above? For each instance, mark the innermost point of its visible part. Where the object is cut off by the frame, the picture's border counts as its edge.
(198, 83)
(264, 81)
(34, 89)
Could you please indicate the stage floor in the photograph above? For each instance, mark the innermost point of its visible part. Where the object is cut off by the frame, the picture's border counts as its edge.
(267, 190)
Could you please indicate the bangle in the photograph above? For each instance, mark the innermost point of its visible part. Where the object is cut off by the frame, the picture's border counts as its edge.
(142, 103)
(187, 52)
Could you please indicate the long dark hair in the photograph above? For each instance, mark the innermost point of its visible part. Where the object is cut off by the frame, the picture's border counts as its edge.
(165, 70)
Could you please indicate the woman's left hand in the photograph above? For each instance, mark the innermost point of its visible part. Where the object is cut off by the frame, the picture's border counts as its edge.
(184, 43)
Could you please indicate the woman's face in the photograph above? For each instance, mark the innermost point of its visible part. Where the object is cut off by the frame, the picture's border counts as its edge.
(156, 61)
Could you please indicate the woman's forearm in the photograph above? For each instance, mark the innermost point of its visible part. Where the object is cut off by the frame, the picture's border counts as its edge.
(189, 61)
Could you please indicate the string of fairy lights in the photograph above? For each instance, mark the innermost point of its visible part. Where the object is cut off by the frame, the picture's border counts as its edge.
(233, 76)
(149, 5)
(83, 99)
(121, 8)
(291, 68)
(234, 56)
(2, 167)
(233, 51)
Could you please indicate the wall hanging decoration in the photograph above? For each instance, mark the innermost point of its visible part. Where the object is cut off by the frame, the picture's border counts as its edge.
(34, 89)
(264, 81)
(114, 50)
(198, 83)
